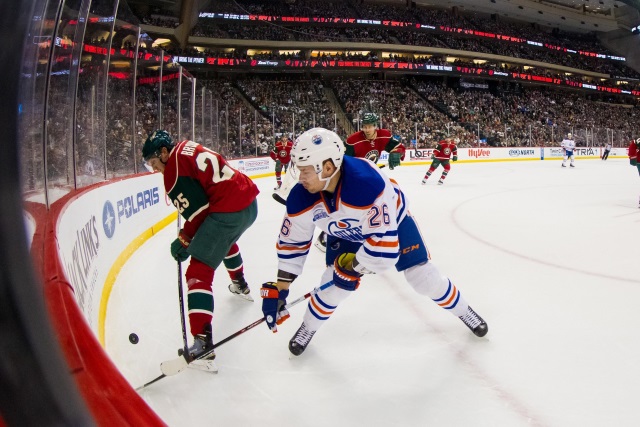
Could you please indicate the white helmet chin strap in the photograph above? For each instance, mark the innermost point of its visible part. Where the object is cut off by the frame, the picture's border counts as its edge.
(328, 179)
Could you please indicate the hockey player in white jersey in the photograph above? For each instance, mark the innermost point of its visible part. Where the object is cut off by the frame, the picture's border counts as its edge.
(568, 145)
(369, 229)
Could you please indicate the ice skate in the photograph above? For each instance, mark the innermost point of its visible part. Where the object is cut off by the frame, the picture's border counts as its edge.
(572, 166)
(241, 288)
(563, 165)
(300, 340)
(201, 344)
(440, 182)
(474, 322)
(424, 181)
(277, 187)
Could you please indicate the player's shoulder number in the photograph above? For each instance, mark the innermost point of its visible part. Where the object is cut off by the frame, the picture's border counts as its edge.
(219, 174)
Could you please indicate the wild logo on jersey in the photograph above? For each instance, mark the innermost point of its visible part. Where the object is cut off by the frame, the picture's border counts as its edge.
(446, 151)
(347, 229)
(372, 155)
(283, 153)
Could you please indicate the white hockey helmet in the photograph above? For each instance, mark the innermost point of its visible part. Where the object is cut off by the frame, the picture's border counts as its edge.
(315, 146)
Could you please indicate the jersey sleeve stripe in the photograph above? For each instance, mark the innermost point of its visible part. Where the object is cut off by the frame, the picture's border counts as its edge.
(195, 214)
(378, 254)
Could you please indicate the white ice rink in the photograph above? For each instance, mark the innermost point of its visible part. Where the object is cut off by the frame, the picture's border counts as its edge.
(547, 255)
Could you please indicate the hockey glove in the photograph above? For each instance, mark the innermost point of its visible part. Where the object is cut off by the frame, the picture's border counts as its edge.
(344, 276)
(273, 302)
(394, 160)
(633, 162)
(179, 247)
(455, 158)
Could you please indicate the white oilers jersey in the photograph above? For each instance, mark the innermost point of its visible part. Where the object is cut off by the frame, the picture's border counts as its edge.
(568, 144)
(365, 207)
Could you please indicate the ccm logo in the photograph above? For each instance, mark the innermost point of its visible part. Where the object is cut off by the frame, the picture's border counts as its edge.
(409, 249)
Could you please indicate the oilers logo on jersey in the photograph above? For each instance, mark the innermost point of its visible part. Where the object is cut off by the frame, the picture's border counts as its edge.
(346, 228)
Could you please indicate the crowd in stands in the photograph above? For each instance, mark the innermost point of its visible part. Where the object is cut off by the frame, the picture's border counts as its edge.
(411, 36)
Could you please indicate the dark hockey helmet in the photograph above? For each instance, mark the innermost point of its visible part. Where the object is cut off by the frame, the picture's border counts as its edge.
(155, 141)
(369, 119)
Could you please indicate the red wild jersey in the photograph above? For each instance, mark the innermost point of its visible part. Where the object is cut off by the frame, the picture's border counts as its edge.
(634, 151)
(282, 151)
(445, 149)
(200, 181)
(358, 145)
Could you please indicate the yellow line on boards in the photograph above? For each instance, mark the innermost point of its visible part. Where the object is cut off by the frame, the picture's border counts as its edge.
(117, 266)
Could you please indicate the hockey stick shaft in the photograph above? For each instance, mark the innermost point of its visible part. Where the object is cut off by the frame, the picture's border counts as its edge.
(245, 329)
(181, 298)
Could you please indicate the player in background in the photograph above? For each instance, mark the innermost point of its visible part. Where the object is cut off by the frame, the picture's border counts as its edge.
(280, 154)
(218, 204)
(369, 143)
(369, 230)
(441, 156)
(634, 156)
(607, 150)
(568, 145)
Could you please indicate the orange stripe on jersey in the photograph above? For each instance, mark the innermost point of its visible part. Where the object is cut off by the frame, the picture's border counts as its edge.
(453, 296)
(292, 248)
(318, 308)
(382, 243)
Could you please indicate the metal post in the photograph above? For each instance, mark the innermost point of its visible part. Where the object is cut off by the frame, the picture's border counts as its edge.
(226, 118)
(179, 102)
(133, 105)
(202, 113)
(193, 109)
(160, 90)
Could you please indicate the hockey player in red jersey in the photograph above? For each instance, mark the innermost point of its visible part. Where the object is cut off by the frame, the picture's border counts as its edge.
(218, 204)
(371, 141)
(441, 155)
(634, 156)
(280, 154)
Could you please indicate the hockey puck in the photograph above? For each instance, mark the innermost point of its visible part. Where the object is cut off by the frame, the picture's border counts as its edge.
(133, 338)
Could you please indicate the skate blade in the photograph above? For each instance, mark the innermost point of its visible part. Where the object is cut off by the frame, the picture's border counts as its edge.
(204, 365)
(246, 297)
(174, 366)
(320, 247)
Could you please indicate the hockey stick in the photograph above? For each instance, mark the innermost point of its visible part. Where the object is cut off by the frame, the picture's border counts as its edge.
(175, 366)
(181, 299)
